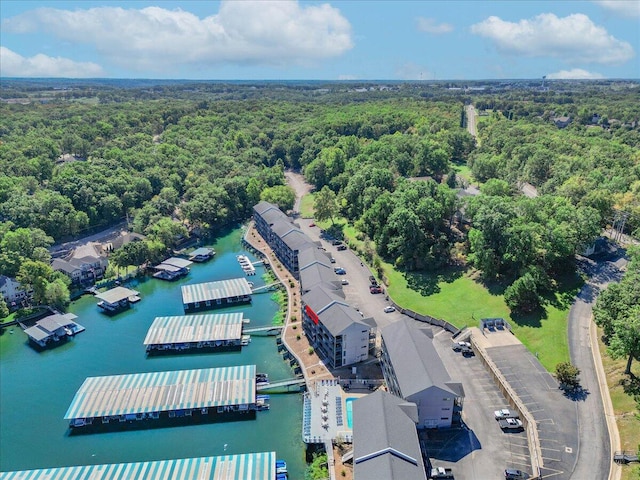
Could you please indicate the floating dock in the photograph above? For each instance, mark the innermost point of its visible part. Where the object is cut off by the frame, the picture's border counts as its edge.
(154, 395)
(196, 332)
(53, 329)
(202, 254)
(117, 299)
(224, 293)
(254, 466)
(246, 264)
(172, 269)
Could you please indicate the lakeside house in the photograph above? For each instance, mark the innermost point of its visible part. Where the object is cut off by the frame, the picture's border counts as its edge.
(84, 265)
(12, 292)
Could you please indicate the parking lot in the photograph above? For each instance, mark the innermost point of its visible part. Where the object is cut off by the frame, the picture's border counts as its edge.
(478, 449)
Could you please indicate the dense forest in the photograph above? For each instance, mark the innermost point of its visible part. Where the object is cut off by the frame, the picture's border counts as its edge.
(177, 159)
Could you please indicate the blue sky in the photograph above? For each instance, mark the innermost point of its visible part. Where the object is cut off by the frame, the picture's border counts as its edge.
(332, 40)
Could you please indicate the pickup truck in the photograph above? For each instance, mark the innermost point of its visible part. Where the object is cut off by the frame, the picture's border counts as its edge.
(441, 472)
(510, 424)
(505, 413)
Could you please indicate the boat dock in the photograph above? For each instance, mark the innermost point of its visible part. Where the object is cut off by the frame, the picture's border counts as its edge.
(224, 293)
(256, 466)
(196, 332)
(282, 384)
(246, 264)
(150, 396)
(172, 269)
(53, 329)
(117, 299)
(202, 254)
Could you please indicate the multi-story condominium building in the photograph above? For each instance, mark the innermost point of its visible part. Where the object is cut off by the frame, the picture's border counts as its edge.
(336, 330)
(413, 371)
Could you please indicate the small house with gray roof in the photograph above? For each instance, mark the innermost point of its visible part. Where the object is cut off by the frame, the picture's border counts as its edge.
(334, 329)
(385, 439)
(413, 371)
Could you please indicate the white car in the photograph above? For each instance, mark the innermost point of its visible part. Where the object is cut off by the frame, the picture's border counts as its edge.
(389, 309)
(345, 281)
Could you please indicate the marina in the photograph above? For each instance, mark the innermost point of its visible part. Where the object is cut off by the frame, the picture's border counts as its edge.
(114, 347)
(117, 299)
(223, 293)
(246, 264)
(254, 466)
(196, 332)
(143, 396)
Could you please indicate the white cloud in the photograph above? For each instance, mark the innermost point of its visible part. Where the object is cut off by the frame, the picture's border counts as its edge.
(429, 25)
(575, 74)
(15, 65)
(621, 7)
(574, 38)
(242, 32)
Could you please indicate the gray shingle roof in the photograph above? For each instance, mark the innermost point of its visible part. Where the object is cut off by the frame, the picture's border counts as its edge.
(387, 448)
(416, 363)
(316, 274)
(310, 256)
(332, 309)
(270, 212)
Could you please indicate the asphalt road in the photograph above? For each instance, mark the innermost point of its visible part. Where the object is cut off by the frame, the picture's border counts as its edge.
(594, 457)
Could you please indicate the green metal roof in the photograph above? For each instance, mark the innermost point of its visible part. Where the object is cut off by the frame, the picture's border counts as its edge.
(164, 391)
(195, 328)
(253, 466)
(202, 292)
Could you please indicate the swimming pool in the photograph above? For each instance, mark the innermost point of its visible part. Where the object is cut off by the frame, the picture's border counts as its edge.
(349, 408)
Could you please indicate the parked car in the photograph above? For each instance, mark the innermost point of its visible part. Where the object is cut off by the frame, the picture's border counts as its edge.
(505, 413)
(336, 242)
(333, 260)
(389, 309)
(510, 424)
(345, 281)
(513, 474)
(459, 346)
(342, 247)
(340, 271)
(372, 280)
(375, 289)
(312, 224)
(441, 472)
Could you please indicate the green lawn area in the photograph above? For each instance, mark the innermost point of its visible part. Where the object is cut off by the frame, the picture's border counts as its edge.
(306, 206)
(8, 319)
(458, 297)
(464, 172)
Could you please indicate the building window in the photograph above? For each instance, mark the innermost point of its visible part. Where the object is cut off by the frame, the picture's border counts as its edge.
(444, 418)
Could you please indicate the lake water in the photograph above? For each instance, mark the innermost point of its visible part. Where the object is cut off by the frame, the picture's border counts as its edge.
(36, 388)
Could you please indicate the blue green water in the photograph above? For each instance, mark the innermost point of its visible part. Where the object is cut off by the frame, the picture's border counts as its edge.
(36, 388)
(349, 408)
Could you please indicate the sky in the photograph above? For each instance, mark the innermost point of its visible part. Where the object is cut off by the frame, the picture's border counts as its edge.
(328, 40)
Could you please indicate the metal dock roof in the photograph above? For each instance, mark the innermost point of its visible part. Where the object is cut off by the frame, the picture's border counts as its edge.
(177, 262)
(202, 292)
(164, 391)
(195, 328)
(201, 251)
(116, 294)
(254, 466)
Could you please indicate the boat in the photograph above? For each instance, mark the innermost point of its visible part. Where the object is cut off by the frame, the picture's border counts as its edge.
(281, 467)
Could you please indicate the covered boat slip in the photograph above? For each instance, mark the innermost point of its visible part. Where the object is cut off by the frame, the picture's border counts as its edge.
(144, 395)
(117, 298)
(172, 268)
(201, 254)
(216, 294)
(254, 466)
(195, 331)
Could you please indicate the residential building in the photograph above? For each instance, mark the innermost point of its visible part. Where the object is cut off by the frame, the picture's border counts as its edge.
(12, 292)
(283, 236)
(338, 333)
(84, 265)
(387, 448)
(413, 371)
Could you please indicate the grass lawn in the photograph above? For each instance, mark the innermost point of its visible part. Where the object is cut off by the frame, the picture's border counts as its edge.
(10, 318)
(464, 172)
(622, 388)
(306, 206)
